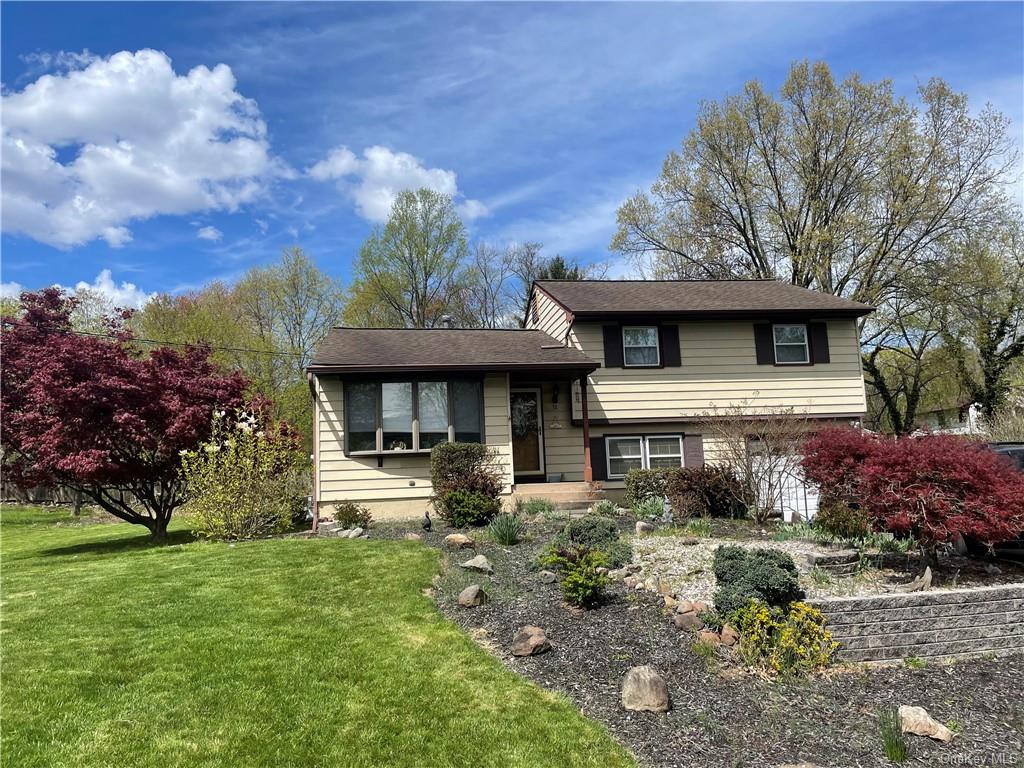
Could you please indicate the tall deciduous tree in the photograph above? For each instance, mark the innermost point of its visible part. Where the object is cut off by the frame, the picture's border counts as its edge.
(983, 319)
(96, 415)
(840, 187)
(412, 264)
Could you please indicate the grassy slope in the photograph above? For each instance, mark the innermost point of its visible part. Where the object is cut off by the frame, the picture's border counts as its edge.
(275, 653)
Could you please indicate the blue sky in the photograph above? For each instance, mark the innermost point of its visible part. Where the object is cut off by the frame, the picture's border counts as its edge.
(176, 143)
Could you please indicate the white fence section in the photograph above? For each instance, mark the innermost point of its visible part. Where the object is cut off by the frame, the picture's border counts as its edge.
(794, 497)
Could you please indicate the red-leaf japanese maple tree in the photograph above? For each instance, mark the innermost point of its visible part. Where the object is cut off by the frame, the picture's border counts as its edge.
(98, 415)
(933, 487)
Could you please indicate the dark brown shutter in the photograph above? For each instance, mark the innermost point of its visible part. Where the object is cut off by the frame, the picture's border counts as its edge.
(764, 344)
(669, 337)
(693, 450)
(612, 346)
(817, 337)
(598, 464)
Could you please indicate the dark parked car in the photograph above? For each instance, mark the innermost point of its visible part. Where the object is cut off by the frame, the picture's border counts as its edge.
(1011, 549)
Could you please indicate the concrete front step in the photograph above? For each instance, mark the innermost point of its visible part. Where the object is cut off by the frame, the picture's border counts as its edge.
(565, 496)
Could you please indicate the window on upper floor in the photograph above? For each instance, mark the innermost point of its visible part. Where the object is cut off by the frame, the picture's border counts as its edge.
(640, 346)
(791, 344)
(411, 416)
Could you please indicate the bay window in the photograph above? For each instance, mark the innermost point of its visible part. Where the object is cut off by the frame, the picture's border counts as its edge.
(642, 452)
(411, 416)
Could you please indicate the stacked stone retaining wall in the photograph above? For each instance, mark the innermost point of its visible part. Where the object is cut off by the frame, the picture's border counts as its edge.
(940, 623)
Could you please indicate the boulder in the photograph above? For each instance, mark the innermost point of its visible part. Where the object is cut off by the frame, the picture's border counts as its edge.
(690, 541)
(665, 589)
(644, 690)
(633, 567)
(631, 581)
(691, 606)
(729, 635)
(689, 621)
(602, 570)
(642, 526)
(670, 602)
(917, 721)
(355, 533)
(547, 577)
(618, 574)
(530, 641)
(709, 637)
(473, 596)
(478, 563)
(458, 541)
(413, 536)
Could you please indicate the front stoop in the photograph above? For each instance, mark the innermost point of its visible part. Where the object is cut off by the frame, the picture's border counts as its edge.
(565, 496)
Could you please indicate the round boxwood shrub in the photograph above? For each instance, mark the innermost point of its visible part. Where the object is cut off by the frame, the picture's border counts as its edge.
(465, 508)
(594, 532)
(642, 484)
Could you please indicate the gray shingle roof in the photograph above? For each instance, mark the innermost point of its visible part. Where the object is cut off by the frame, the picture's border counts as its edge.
(682, 298)
(443, 349)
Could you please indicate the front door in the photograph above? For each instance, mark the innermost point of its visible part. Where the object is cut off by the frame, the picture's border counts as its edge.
(527, 432)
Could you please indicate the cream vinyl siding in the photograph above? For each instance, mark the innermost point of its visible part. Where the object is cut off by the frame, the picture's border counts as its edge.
(719, 369)
(563, 443)
(547, 315)
(358, 478)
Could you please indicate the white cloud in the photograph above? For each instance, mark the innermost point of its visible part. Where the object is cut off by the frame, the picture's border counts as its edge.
(210, 233)
(120, 139)
(10, 290)
(126, 295)
(375, 179)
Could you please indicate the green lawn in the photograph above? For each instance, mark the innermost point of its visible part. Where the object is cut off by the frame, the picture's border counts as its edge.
(290, 652)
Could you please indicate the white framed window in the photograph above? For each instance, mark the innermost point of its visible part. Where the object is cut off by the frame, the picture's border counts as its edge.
(640, 346)
(642, 452)
(791, 344)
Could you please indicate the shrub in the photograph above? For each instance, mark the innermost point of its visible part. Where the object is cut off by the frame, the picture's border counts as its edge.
(932, 487)
(582, 584)
(605, 508)
(245, 482)
(789, 641)
(465, 508)
(507, 529)
(651, 508)
(708, 491)
(841, 520)
(643, 484)
(534, 507)
(766, 575)
(352, 515)
(467, 475)
(594, 532)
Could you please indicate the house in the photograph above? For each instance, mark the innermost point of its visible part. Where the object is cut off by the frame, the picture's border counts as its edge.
(607, 375)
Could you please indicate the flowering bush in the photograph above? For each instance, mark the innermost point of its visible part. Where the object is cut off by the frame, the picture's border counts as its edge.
(933, 487)
(790, 641)
(246, 481)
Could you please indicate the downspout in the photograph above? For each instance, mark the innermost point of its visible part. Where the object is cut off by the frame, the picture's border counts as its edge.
(311, 379)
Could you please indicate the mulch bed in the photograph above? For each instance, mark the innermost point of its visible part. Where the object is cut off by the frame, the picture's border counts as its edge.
(722, 716)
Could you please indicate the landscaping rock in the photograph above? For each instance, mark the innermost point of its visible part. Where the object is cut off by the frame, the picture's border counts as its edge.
(923, 582)
(478, 563)
(618, 574)
(689, 541)
(709, 637)
(530, 641)
(670, 602)
(602, 570)
(631, 581)
(644, 527)
(458, 541)
(413, 537)
(473, 596)
(689, 621)
(355, 533)
(644, 690)
(633, 567)
(730, 636)
(691, 606)
(547, 577)
(917, 721)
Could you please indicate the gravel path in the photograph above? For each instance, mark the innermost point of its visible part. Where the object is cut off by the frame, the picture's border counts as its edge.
(722, 716)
